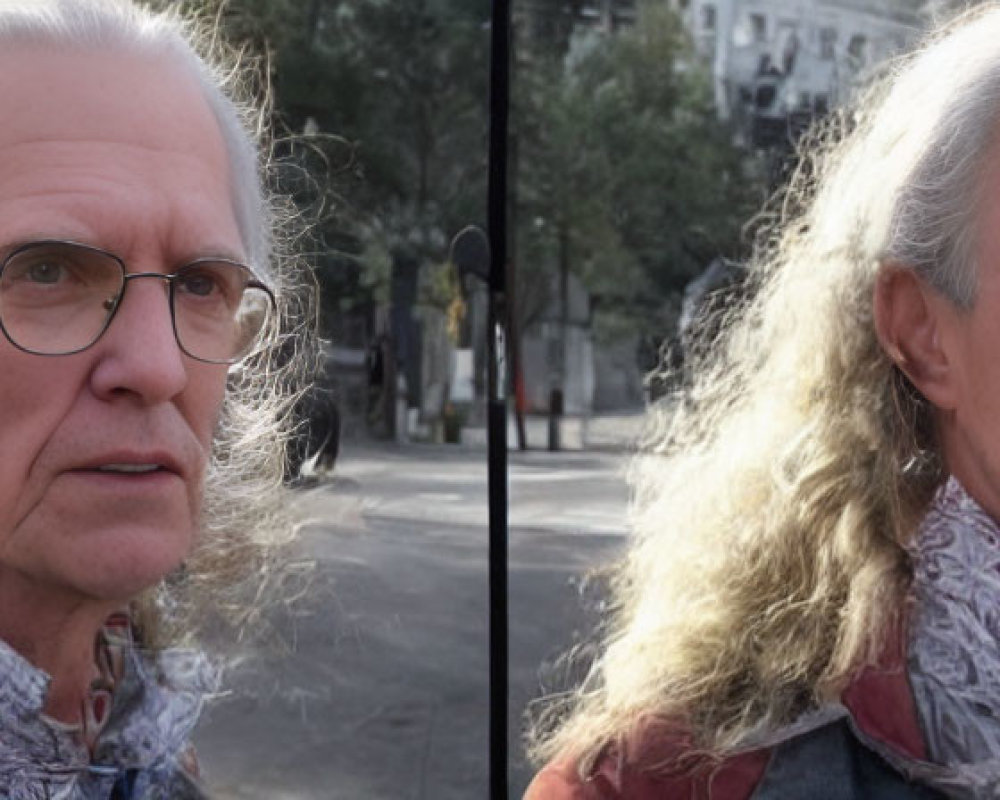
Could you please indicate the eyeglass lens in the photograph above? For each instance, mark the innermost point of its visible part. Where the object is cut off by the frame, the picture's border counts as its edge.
(58, 297)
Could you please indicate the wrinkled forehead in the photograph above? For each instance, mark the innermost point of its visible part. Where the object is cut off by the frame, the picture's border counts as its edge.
(49, 94)
(113, 149)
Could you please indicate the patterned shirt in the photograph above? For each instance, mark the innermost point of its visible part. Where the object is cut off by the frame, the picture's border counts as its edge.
(133, 741)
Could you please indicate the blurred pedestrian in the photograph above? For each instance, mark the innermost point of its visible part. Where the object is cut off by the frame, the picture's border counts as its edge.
(810, 607)
(141, 437)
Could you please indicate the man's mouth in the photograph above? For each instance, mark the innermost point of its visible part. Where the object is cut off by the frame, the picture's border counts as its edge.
(131, 469)
(124, 463)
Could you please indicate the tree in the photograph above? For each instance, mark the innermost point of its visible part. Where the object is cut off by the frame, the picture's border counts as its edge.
(626, 176)
(413, 102)
(381, 111)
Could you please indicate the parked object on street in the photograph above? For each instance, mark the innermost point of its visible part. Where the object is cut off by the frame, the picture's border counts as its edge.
(808, 605)
(315, 442)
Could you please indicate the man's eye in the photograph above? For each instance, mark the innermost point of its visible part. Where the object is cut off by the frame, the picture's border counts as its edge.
(44, 272)
(199, 284)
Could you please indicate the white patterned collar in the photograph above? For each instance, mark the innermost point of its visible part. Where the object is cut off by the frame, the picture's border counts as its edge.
(153, 711)
(954, 645)
(953, 657)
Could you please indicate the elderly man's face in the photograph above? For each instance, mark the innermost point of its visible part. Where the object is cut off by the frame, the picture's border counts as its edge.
(969, 419)
(122, 153)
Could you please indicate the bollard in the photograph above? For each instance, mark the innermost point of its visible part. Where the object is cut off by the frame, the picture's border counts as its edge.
(555, 418)
(402, 408)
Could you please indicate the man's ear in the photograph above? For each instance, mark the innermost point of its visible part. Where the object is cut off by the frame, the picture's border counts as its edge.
(908, 322)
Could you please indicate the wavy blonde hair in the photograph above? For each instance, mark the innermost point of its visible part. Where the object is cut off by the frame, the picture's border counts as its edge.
(780, 485)
(244, 517)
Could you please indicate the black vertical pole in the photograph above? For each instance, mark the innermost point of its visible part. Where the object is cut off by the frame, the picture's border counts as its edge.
(497, 219)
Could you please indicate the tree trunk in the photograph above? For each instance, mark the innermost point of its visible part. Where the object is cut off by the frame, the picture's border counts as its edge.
(312, 22)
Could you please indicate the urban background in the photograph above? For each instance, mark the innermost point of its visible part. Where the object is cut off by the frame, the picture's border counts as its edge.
(645, 138)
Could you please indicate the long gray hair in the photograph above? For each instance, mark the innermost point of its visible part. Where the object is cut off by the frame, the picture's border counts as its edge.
(773, 510)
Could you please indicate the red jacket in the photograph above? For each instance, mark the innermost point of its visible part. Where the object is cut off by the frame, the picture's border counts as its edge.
(879, 699)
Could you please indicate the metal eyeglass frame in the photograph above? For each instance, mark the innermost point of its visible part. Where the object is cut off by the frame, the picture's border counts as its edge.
(116, 301)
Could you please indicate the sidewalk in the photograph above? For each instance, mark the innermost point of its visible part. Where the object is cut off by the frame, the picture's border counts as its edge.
(615, 432)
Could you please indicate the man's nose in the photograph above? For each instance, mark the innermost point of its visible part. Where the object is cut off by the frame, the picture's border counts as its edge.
(139, 354)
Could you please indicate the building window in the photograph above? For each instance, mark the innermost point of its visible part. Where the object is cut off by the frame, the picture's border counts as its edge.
(827, 43)
(857, 46)
(708, 18)
(758, 27)
(821, 104)
(766, 94)
(787, 45)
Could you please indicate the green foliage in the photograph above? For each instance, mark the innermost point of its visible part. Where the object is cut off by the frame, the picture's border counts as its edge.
(381, 122)
(625, 174)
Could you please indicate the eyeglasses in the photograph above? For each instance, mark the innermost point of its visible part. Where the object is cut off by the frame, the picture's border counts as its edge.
(58, 298)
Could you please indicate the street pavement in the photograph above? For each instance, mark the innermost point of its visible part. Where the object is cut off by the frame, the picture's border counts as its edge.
(372, 681)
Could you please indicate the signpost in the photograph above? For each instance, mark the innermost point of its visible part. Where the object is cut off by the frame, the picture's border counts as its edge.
(475, 253)
(497, 389)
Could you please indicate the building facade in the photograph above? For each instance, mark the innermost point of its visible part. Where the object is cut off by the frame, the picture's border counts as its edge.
(777, 63)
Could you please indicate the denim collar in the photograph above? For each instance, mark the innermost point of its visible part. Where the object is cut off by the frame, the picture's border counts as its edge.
(953, 654)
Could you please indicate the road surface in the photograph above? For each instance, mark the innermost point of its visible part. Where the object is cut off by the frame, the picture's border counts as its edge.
(373, 684)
